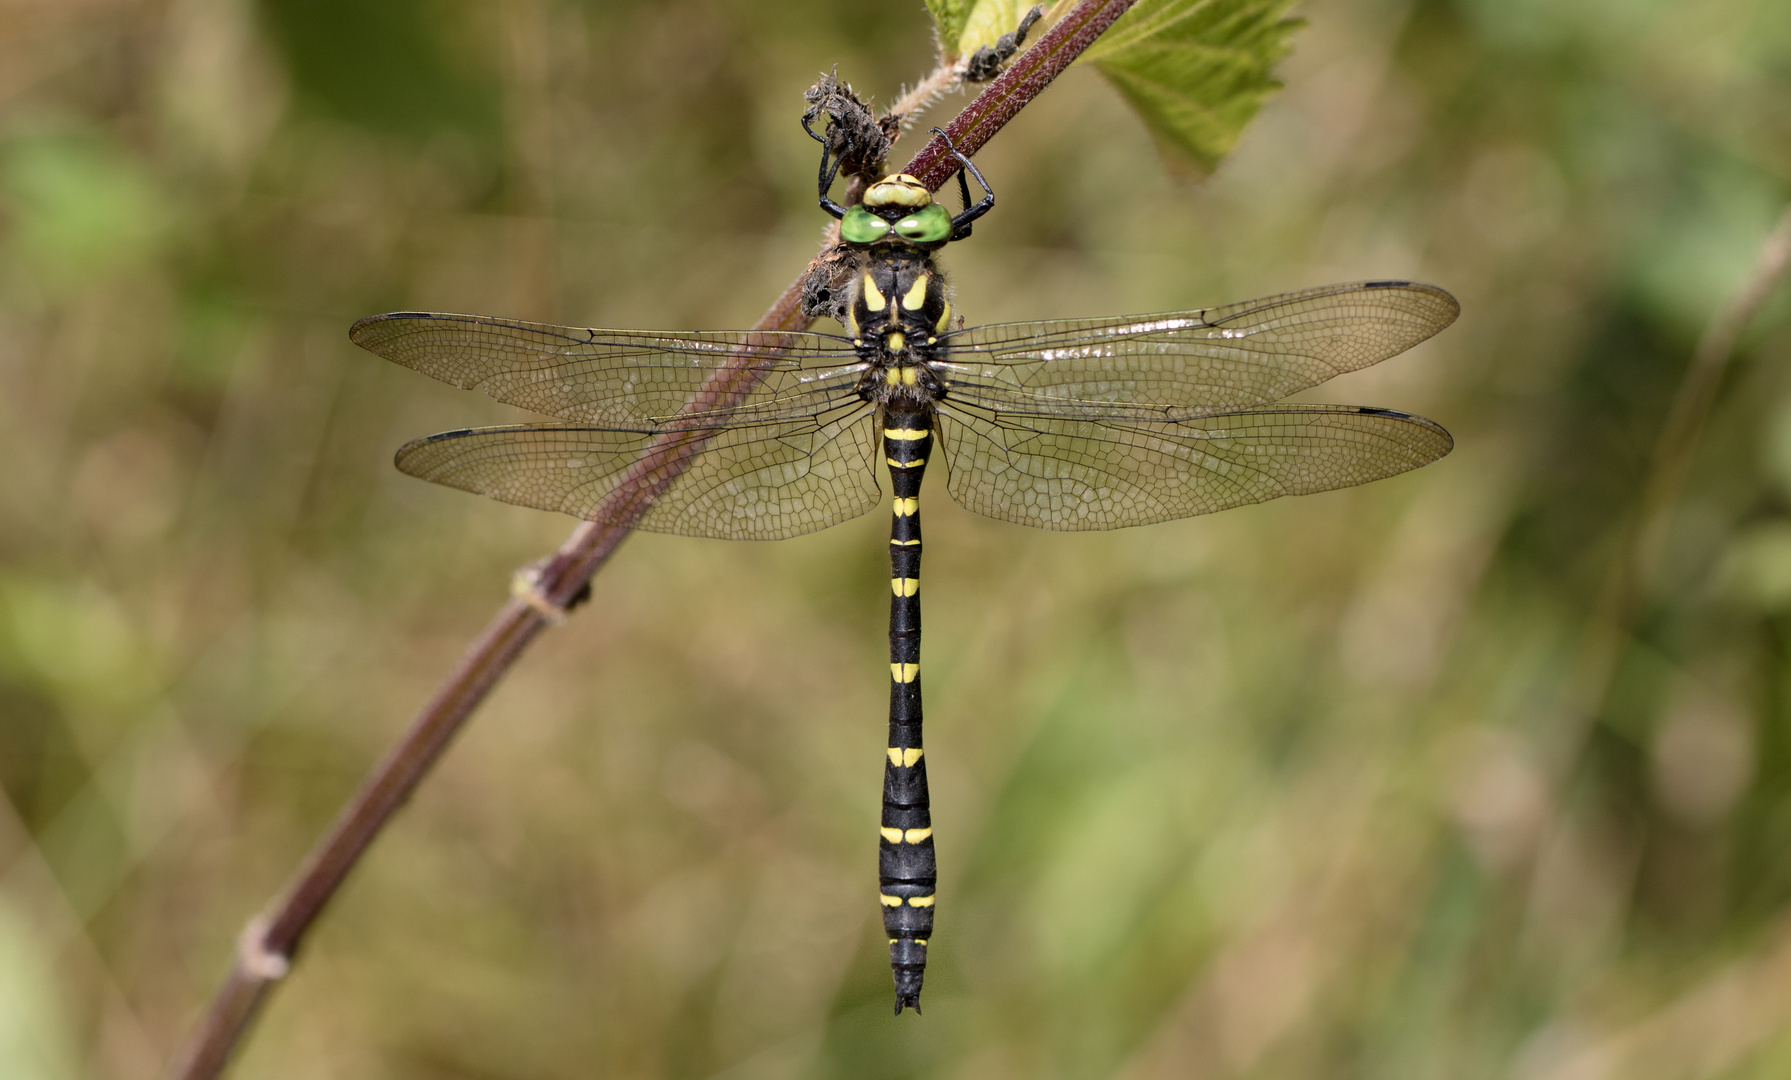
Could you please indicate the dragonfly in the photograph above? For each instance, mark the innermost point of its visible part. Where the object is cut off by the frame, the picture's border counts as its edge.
(1063, 424)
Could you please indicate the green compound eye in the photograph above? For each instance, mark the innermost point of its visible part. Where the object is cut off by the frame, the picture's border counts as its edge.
(860, 226)
(928, 225)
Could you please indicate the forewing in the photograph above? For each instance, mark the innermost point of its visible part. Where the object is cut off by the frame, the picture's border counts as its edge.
(621, 377)
(757, 482)
(1074, 475)
(1251, 353)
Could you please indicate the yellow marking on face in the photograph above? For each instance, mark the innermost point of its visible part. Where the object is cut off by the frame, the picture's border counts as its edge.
(898, 190)
(910, 756)
(904, 586)
(910, 376)
(874, 300)
(915, 836)
(904, 673)
(889, 901)
(904, 543)
(916, 296)
(894, 836)
(905, 434)
(920, 901)
(896, 342)
(944, 319)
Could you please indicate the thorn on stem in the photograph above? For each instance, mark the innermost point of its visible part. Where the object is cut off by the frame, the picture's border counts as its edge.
(254, 957)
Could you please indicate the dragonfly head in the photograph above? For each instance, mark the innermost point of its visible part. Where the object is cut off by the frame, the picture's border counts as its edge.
(897, 210)
(900, 191)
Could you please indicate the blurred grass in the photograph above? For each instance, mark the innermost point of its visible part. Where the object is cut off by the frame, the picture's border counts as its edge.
(1265, 794)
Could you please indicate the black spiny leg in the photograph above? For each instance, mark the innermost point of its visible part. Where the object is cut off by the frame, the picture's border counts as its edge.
(830, 167)
(960, 225)
(905, 856)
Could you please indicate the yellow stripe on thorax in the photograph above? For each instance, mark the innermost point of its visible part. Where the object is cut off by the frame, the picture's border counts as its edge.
(916, 296)
(873, 299)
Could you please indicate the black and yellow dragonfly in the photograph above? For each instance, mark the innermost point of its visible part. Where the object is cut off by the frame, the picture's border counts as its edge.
(1065, 424)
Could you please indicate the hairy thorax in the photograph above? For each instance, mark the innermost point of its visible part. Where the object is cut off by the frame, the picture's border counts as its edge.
(898, 310)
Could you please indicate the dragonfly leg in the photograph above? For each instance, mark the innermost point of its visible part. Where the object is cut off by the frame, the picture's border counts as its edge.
(960, 225)
(830, 167)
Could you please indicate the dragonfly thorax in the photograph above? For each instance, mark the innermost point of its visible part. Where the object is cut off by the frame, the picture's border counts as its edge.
(906, 385)
(898, 301)
(897, 313)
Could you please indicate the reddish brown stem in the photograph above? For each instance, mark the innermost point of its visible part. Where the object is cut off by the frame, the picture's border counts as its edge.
(1015, 88)
(268, 943)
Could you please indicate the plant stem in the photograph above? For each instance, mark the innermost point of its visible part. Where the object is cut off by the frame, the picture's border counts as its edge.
(270, 941)
(1632, 571)
(1015, 88)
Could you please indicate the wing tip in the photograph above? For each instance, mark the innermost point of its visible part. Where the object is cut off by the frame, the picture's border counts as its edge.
(410, 449)
(360, 331)
(1446, 440)
(1450, 304)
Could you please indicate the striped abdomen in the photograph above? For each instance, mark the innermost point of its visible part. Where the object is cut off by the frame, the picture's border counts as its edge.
(905, 857)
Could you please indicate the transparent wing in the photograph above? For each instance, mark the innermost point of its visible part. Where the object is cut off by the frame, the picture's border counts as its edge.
(763, 481)
(623, 377)
(1074, 475)
(1242, 354)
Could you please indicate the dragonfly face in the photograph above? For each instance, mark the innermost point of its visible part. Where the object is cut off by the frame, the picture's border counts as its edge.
(1064, 424)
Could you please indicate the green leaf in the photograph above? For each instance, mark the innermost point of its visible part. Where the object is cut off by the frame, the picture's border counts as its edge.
(967, 25)
(949, 17)
(1196, 70)
(990, 19)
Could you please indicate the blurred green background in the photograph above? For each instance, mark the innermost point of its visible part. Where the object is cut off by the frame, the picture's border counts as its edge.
(1294, 791)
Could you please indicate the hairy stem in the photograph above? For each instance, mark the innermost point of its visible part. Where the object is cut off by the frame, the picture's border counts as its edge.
(270, 941)
(1014, 88)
